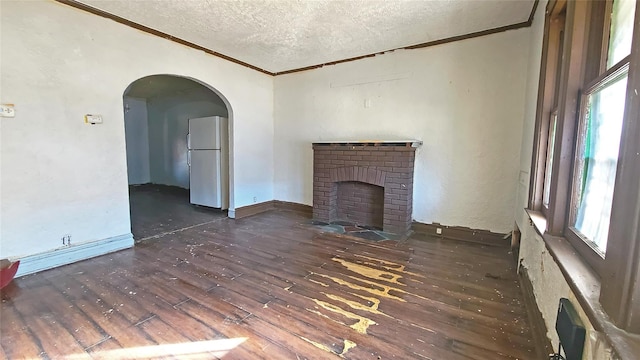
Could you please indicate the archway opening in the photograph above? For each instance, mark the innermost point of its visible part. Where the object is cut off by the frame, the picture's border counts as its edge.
(178, 154)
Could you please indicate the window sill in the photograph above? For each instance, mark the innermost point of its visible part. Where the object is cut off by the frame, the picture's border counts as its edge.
(585, 284)
(538, 221)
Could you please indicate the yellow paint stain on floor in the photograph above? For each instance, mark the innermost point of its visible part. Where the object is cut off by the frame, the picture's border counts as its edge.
(370, 272)
(376, 302)
(357, 306)
(348, 345)
(386, 288)
(318, 345)
(388, 264)
(319, 283)
(379, 283)
(389, 288)
(360, 326)
(374, 291)
(325, 316)
(392, 266)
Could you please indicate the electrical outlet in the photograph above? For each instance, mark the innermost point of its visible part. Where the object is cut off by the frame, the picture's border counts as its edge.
(7, 110)
(255, 199)
(439, 231)
(93, 119)
(66, 239)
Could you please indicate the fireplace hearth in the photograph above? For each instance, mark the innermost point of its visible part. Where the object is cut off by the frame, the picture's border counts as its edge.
(365, 183)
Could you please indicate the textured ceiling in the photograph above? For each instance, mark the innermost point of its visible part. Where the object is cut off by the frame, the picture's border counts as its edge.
(281, 35)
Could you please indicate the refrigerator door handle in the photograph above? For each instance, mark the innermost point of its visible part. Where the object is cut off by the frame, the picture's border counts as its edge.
(189, 158)
(188, 140)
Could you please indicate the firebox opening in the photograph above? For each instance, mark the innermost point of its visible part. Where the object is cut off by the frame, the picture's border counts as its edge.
(360, 203)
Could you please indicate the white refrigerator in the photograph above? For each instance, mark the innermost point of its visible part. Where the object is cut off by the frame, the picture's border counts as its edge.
(208, 159)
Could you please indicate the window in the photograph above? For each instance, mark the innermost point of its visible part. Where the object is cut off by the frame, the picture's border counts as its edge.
(577, 147)
(552, 64)
(585, 169)
(597, 160)
(558, 33)
(598, 135)
(621, 31)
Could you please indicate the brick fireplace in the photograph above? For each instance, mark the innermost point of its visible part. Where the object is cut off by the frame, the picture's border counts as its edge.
(365, 183)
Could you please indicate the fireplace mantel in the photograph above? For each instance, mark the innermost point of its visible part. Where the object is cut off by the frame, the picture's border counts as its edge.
(412, 143)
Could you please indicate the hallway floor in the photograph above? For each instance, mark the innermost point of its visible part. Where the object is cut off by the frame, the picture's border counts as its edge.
(159, 209)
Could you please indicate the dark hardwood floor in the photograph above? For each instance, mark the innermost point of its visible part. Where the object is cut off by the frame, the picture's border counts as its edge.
(272, 286)
(158, 209)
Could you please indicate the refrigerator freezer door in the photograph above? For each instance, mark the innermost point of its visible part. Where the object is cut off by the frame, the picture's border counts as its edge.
(204, 133)
(204, 178)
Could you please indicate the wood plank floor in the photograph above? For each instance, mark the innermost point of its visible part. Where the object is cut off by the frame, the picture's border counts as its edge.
(158, 209)
(272, 286)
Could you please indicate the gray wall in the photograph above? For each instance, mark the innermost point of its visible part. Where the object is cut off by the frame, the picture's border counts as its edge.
(137, 140)
(168, 127)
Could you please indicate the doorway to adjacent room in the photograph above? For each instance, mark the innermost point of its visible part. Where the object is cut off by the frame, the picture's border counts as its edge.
(157, 110)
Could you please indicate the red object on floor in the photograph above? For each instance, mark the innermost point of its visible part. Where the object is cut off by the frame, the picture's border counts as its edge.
(7, 272)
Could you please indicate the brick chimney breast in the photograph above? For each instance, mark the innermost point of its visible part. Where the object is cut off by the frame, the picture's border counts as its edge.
(366, 183)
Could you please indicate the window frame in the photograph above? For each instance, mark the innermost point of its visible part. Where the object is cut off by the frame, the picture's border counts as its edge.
(594, 47)
(548, 166)
(583, 66)
(594, 256)
(548, 99)
(620, 293)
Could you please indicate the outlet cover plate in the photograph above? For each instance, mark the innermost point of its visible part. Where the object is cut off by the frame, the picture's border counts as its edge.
(93, 119)
(7, 110)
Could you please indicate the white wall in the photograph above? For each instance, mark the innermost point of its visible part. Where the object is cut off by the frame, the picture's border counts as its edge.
(168, 127)
(61, 176)
(136, 127)
(549, 286)
(531, 99)
(465, 100)
(548, 282)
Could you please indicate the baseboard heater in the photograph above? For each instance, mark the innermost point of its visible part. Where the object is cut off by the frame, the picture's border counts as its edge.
(571, 332)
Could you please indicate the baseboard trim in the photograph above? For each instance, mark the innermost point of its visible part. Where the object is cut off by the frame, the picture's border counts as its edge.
(286, 205)
(538, 326)
(67, 255)
(253, 209)
(485, 237)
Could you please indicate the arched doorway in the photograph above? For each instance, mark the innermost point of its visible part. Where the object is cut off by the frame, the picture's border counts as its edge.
(164, 180)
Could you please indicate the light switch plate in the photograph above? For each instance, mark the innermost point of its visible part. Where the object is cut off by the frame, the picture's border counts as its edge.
(93, 119)
(7, 110)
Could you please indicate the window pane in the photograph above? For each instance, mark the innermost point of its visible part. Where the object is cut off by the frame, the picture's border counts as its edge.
(600, 148)
(548, 168)
(621, 30)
